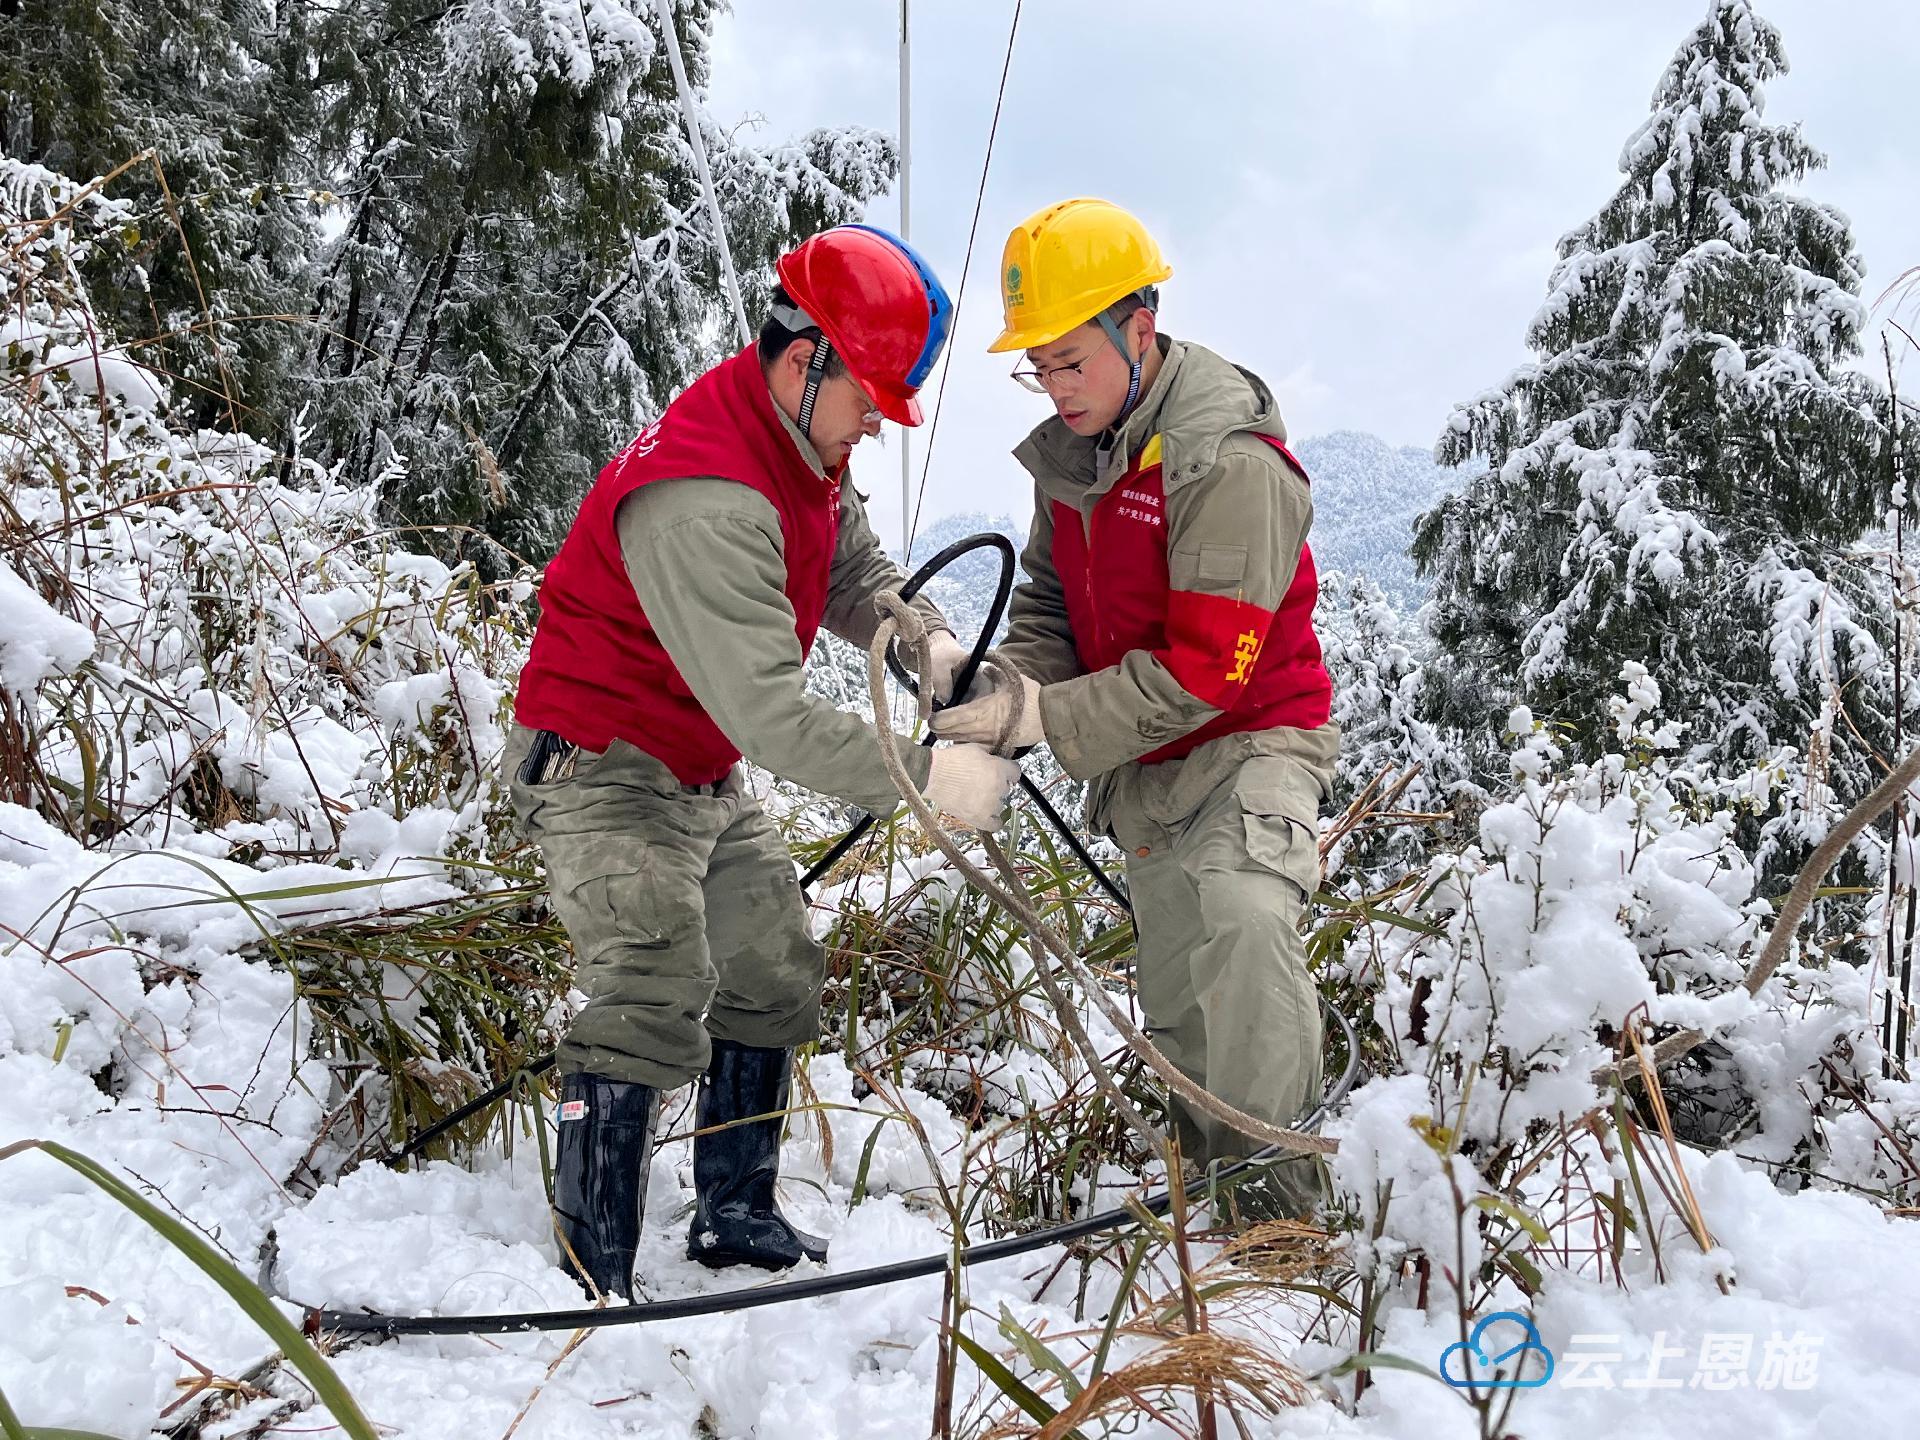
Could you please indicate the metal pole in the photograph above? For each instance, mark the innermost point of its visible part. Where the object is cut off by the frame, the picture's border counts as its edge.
(692, 112)
(906, 220)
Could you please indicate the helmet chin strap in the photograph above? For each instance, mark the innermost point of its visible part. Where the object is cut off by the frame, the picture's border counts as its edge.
(816, 371)
(1151, 296)
(794, 318)
(1133, 366)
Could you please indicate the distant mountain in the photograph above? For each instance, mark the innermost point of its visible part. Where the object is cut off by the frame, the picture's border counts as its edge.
(964, 590)
(1366, 495)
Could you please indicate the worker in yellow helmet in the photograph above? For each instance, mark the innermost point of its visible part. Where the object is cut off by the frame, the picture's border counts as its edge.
(1166, 643)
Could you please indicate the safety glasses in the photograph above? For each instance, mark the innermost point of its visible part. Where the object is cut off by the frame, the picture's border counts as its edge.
(1041, 381)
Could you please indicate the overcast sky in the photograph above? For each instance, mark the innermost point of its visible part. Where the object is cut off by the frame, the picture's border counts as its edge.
(1359, 198)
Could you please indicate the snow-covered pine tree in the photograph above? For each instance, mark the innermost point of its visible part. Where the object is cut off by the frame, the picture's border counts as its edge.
(526, 274)
(1676, 477)
(86, 86)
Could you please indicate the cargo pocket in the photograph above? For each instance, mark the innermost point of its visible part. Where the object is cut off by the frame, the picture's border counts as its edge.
(607, 893)
(1278, 839)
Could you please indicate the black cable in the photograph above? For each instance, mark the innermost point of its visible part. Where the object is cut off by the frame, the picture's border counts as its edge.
(981, 644)
(1002, 593)
(815, 1286)
(418, 1142)
(1065, 831)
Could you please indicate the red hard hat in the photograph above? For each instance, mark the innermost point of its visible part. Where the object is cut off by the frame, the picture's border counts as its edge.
(879, 305)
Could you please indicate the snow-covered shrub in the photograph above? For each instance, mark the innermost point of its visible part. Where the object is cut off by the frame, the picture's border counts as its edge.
(1602, 906)
(1389, 747)
(219, 650)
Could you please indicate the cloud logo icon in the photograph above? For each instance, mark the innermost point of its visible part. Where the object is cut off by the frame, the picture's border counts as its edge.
(1515, 1355)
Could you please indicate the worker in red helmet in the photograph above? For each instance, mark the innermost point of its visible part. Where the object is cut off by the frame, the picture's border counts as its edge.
(675, 621)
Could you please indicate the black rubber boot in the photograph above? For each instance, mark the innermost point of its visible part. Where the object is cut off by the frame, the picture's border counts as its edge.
(600, 1179)
(735, 1218)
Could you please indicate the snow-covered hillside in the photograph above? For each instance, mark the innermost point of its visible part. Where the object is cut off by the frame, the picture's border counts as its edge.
(1366, 495)
(964, 590)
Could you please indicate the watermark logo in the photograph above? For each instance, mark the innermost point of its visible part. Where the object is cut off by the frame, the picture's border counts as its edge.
(1723, 1360)
(1488, 1371)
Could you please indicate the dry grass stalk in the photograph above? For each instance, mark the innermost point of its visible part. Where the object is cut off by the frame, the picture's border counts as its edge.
(1236, 1371)
(1281, 1251)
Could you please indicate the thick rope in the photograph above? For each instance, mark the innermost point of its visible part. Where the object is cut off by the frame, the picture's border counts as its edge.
(898, 619)
(1057, 997)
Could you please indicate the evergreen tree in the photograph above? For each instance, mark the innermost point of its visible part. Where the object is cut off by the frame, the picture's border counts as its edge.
(1676, 478)
(457, 249)
(527, 274)
(88, 85)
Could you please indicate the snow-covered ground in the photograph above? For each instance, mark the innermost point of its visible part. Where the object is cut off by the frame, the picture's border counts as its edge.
(215, 1105)
(140, 1025)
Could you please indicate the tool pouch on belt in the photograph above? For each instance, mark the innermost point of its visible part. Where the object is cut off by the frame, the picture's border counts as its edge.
(549, 757)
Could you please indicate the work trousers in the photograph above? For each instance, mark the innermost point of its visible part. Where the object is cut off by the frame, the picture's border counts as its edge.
(686, 917)
(1222, 859)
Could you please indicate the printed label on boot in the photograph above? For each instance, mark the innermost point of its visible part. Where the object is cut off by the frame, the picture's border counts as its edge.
(573, 1109)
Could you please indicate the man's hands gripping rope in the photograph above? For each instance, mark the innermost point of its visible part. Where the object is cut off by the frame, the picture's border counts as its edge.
(945, 658)
(971, 783)
(1006, 718)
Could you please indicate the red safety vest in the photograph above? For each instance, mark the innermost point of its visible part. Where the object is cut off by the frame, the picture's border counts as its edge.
(1261, 667)
(597, 672)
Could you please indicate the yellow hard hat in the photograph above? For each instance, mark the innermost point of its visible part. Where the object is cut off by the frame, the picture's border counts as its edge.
(1065, 264)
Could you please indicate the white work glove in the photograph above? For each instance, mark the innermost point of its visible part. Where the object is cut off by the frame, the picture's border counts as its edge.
(985, 681)
(971, 784)
(981, 721)
(946, 658)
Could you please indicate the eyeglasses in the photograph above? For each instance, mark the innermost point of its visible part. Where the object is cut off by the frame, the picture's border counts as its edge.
(872, 415)
(1041, 381)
